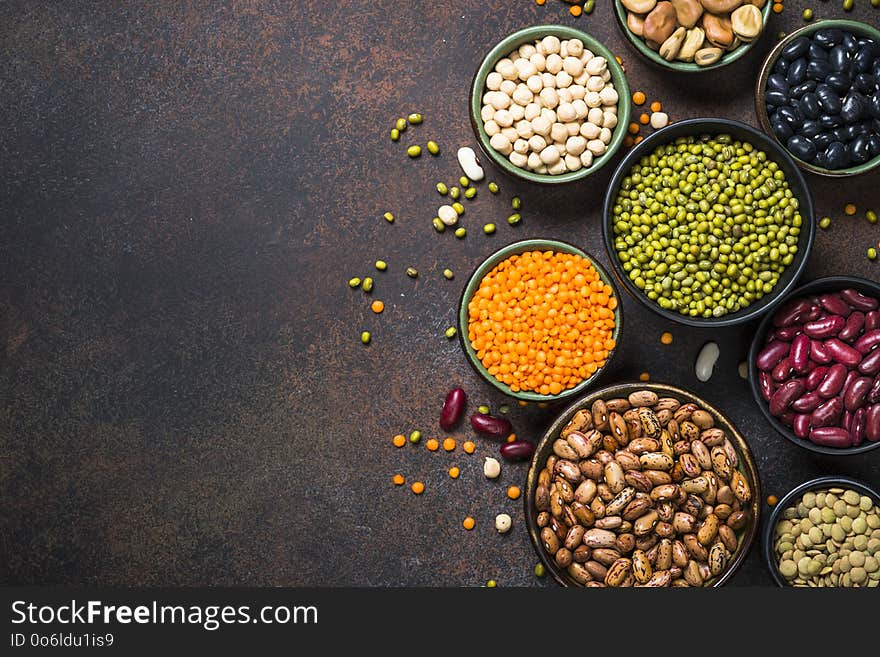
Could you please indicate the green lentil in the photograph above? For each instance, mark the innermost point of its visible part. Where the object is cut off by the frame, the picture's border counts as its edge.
(368, 284)
(847, 5)
(705, 226)
(448, 274)
(489, 229)
(808, 14)
(824, 222)
(483, 409)
(470, 192)
(389, 217)
(540, 571)
(459, 208)
(872, 253)
(366, 337)
(381, 265)
(514, 219)
(415, 436)
(451, 332)
(460, 232)
(516, 203)
(433, 148)
(412, 272)
(353, 283)
(395, 134)
(414, 151)
(463, 181)
(454, 192)
(415, 118)
(493, 186)
(871, 216)
(439, 226)
(442, 189)
(400, 124)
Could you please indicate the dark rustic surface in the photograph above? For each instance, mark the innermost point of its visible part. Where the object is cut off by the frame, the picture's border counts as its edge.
(186, 190)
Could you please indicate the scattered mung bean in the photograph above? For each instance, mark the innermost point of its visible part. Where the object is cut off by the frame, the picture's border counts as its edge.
(433, 148)
(414, 151)
(489, 228)
(470, 192)
(516, 203)
(439, 226)
(354, 282)
(381, 265)
(415, 118)
(400, 124)
(366, 337)
(451, 332)
(824, 222)
(368, 284)
(442, 189)
(460, 232)
(493, 187)
(395, 134)
(412, 272)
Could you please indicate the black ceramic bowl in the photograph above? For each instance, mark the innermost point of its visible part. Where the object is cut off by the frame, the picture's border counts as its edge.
(796, 183)
(544, 448)
(826, 284)
(820, 483)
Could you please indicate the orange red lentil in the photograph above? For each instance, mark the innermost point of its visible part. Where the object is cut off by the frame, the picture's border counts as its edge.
(449, 444)
(398, 480)
(514, 492)
(399, 440)
(454, 472)
(542, 321)
(468, 523)
(666, 338)
(432, 444)
(418, 487)
(656, 106)
(639, 98)
(576, 10)
(469, 447)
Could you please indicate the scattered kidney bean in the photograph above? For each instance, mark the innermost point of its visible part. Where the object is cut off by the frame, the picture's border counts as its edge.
(825, 327)
(770, 355)
(518, 450)
(831, 437)
(858, 300)
(833, 381)
(787, 393)
(834, 304)
(843, 353)
(814, 378)
(853, 327)
(452, 409)
(495, 427)
(800, 354)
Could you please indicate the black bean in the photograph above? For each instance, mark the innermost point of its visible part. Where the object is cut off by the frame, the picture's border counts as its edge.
(840, 82)
(810, 106)
(828, 38)
(781, 128)
(874, 144)
(850, 43)
(830, 120)
(802, 88)
(839, 59)
(822, 140)
(836, 156)
(863, 59)
(782, 65)
(801, 147)
(829, 101)
(810, 128)
(853, 107)
(790, 115)
(777, 82)
(864, 83)
(874, 105)
(818, 69)
(860, 149)
(797, 71)
(846, 133)
(776, 98)
(817, 52)
(796, 49)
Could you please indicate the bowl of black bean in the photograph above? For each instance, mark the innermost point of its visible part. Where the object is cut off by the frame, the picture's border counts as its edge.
(818, 95)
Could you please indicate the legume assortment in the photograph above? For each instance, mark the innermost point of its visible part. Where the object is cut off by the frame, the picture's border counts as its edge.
(705, 226)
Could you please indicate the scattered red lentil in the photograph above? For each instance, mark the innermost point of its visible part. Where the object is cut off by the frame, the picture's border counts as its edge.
(511, 438)
(398, 480)
(432, 444)
(418, 487)
(849, 209)
(777, 8)
(772, 500)
(644, 376)
(449, 444)
(638, 139)
(454, 472)
(377, 306)
(666, 338)
(469, 447)
(468, 523)
(656, 106)
(634, 128)
(514, 492)
(628, 141)
(575, 10)
(399, 440)
(644, 119)
(638, 98)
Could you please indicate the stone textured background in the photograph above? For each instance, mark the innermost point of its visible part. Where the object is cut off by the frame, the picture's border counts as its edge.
(185, 190)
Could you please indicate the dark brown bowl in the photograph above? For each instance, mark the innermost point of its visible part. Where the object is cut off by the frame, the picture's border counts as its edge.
(544, 448)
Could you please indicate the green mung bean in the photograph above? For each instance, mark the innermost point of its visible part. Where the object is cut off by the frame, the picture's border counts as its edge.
(439, 226)
(493, 187)
(442, 188)
(433, 148)
(460, 232)
(414, 151)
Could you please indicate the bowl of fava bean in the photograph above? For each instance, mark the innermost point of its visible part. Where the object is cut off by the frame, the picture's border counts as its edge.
(540, 320)
(825, 533)
(545, 104)
(708, 222)
(818, 95)
(642, 484)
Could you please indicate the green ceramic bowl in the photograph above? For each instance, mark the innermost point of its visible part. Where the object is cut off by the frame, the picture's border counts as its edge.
(684, 67)
(474, 282)
(530, 35)
(861, 29)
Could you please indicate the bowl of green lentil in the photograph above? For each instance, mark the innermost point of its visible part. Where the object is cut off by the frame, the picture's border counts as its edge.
(841, 514)
(530, 35)
(708, 222)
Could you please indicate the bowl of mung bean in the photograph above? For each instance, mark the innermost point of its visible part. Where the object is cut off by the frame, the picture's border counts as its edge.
(540, 320)
(692, 36)
(708, 222)
(549, 104)
(825, 533)
(814, 366)
(642, 484)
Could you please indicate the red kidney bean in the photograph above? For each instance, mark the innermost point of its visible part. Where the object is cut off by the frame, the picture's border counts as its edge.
(792, 311)
(807, 402)
(787, 393)
(857, 392)
(868, 341)
(872, 320)
(770, 355)
(452, 409)
(842, 352)
(831, 437)
(833, 381)
(872, 423)
(835, 305)
(814, 378)
(870, 365)
(783, 370)
(765, 382)
(851, 376)
(857, 428)
(846, 421)
(788, 333)
(518, 450)
(874, 394)
(826, 327)
(828, 413)
(858, 300)
(801, 425)
(819, 353)
(495, 427)
(800, 354)
(853, 327)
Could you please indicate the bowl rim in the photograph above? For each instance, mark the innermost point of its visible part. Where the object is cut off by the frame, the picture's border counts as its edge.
(686, 67)
(818, 284)
(761, 84)
(527, 35)
(748, 467)
(485, 266)
(695, 126)
(773, 519)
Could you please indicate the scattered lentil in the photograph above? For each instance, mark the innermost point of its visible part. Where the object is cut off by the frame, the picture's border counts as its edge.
(454, 472)
(849, 209)
(511, 438)
(656, 106)
(575, 10)
(633, 128)
(777, 8)
(418, 487)
(644, 376)
(377, 306)
(639, 98)
(644, 119)
(772, 500)
(449, 444)
(491, 468)
(666, 337)
(514, 492)
(638, 139)
(469, 523)
(399, 440)
(469, 447)
(503, 523)
(432, 444)
(398, 480)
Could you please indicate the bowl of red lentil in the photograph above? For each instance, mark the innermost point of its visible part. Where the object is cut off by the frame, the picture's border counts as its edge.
(540, 320)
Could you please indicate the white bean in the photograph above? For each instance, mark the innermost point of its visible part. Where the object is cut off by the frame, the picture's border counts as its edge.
(491, 467)
(576, 145)
(501, 144)
(550, 155)
(596, 147)
(554, 63)
(518, 159)
(503, 523)
(493, 80)
(659, 120)
(537, 143)
(573, 66)
(572, 162)
(706, 360)
(467, 160)
(447, 215)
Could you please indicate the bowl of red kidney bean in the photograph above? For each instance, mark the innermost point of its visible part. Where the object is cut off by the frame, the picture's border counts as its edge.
(818, 95)
(814, 366)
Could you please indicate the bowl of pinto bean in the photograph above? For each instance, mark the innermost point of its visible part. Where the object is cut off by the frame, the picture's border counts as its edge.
(814, 366)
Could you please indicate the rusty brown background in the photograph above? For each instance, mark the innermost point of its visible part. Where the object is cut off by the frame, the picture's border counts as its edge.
(186, 190)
